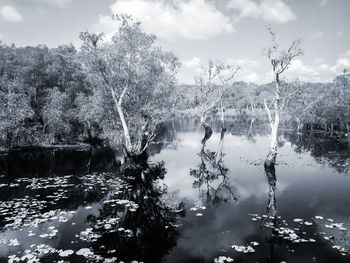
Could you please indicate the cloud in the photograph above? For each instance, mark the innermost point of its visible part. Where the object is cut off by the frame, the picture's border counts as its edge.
(247, 72)
(340, 33)
(267, 10)
(44, 3)
(9, 13)
(54, 3)
(298, 70)
(173, 21)
(318, 73)
(192, 63)
(254, 72)
(340, 65)
(323, 2)
(248, 76)
(317, 34)
(243, 62)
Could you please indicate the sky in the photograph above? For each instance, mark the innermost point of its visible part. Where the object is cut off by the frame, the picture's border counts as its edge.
(233, 31)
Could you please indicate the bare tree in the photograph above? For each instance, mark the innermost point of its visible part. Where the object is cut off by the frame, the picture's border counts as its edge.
(211, 86)
(280, 61)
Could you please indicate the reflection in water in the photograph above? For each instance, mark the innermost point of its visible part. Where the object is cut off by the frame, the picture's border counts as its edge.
(211, 175)
(130, 215)
(207, 133)
(325, 148)
(94, 218)
(250, 134)
(149, 224)
(271, 204)
(271, 209)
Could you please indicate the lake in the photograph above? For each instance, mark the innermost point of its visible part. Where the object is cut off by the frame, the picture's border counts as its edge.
(190, 203)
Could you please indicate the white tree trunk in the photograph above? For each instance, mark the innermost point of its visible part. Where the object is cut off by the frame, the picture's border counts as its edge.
(274, 124)
(127, 138)
(118, 104)
(272, 154)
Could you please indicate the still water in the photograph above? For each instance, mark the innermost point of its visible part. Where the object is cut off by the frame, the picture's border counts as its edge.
(190, 203)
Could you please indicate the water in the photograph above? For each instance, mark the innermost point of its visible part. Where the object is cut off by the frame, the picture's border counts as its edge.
(210, 204)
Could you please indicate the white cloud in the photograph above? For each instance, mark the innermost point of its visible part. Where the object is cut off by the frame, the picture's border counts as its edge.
(310, 73)
(192, 63)
(268, 10)
(319, 60)
(248, 76)
(323, 2)
(348, 53)
(340, 33)
(54, 3)
(323, 67)
(247, 72)
(340, 65)
(317, 73)
(317, 34)
(9, 13)
(254, 72)
(243, 62)
(172, 21)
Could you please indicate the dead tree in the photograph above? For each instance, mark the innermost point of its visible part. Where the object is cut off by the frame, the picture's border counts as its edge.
(211, 86)
(280, 61)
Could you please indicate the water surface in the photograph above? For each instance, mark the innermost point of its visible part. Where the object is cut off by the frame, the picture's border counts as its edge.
(215, 203)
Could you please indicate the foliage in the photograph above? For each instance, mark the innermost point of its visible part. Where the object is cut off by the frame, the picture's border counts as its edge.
(136, 77)
(210, 88)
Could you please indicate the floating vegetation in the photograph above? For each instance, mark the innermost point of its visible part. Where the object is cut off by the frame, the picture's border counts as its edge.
(297, 235)
(223, 259)
(243, 249)
(87, 210)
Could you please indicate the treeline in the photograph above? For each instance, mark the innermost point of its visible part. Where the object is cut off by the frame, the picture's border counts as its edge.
(112, 92)
(323, 106)
(46, 97)
(121, 90)
(318, 106)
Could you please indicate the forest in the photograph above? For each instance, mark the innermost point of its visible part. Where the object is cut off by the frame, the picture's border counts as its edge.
(73, 94)
(106, 156)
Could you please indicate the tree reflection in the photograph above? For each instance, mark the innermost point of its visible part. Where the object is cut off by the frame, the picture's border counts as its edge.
(250, 133)
(271, 212)
(271, 203)
(279, 232)
(211, 175)
(325, 149)
(207, 133)
(147, 218)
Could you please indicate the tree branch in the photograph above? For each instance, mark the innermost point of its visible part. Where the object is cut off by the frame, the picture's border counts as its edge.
(215, 102)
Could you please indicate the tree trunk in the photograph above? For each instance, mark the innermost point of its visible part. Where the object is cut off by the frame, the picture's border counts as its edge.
(118, 103)
(127, 138)
(250, 135)
(274, 124)
(300, 126)
(271, 204)
(207, 130)
(272, 154)
(252, 105)
(222, 118)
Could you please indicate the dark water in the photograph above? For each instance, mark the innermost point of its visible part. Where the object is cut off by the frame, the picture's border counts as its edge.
(190, 203)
